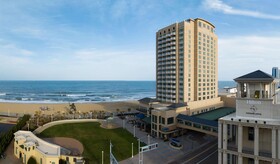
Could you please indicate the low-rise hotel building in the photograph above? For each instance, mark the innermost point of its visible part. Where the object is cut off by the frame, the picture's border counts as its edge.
(252, 134)
(27, 145)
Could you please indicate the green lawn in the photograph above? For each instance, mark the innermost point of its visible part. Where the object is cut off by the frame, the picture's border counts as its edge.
(96, 139)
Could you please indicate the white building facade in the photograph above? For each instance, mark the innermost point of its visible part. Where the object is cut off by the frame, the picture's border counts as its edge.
(252, 134)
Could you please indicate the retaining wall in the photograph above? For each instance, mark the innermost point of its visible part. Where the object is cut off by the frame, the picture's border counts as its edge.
(50, 124)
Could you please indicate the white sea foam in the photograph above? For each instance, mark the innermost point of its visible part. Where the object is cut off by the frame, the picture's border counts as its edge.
(76, 95)
(2, 94)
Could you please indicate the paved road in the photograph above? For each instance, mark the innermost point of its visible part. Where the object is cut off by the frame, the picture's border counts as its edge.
(165, 154)
(213, 158)
(203, 154)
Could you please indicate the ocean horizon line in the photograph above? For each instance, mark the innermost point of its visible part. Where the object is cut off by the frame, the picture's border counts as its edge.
(79, 91)
(96, 80)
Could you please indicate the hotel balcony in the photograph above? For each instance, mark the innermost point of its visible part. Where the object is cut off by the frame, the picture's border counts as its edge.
(167, 63)
(165, 81)
(232, 145)
(166, 54)
(166, 35)
(167, 86)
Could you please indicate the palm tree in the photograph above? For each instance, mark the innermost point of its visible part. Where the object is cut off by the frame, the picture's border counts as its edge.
(129, 109)
(94, 114)
(73, 107)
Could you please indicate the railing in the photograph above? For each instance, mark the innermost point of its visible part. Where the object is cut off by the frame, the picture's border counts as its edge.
(256, 96)
(233, 147)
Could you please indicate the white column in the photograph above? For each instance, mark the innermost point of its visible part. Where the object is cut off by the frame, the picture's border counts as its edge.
(240, 159)
(275, 88)
(240, 136)
(240, 143)
(273, 142)
(238, 90)
(256, 141)
(278, 143)
(261, 89)
(270, 88)
(225, 135)
(256, 161)
(220, 140)
(220, 157)
(248, 90)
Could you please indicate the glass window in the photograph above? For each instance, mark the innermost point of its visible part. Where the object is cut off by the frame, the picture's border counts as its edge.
(170, 120)
(163, 120)
(250, 133)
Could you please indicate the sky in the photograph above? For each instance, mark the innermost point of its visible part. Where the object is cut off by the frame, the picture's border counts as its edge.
(115, 39)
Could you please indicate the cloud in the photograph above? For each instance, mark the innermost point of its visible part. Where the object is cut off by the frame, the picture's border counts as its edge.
(243, 54)
(219, 5)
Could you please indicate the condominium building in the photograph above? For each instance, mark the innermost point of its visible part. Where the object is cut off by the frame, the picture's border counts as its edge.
(252, 134)
(187, 62)
(275, 72)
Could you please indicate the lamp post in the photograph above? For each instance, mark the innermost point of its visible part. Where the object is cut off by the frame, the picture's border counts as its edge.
(139, 150)
(102, 157)
(132, 150)
(133, 130)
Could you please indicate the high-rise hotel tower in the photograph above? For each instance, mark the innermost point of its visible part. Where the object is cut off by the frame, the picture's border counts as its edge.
(187, 62)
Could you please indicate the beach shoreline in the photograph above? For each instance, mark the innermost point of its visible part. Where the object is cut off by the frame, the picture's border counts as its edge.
(9, 108)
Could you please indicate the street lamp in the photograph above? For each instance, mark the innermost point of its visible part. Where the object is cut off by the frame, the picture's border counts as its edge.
(132, 150)
(139, 151)
(134, 130)
(102, 157)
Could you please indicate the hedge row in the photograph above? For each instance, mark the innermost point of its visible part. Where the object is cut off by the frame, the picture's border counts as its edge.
(8, 136)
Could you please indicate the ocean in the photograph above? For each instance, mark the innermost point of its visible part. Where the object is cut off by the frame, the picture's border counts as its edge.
(79, 91)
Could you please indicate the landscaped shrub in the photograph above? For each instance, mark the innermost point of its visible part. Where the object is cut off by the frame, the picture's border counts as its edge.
(7, 137)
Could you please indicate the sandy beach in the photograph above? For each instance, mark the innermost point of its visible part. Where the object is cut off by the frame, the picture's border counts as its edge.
(31, 108)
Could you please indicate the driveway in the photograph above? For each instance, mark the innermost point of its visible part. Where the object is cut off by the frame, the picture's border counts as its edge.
(164, 153)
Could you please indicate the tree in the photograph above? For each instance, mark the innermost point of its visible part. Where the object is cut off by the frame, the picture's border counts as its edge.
(73, 107)
(94, 114)
(129, 109)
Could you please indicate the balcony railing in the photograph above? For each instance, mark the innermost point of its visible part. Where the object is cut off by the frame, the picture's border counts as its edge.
(233, 147)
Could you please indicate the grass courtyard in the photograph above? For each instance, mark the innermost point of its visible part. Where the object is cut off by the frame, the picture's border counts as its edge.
(96, 139)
